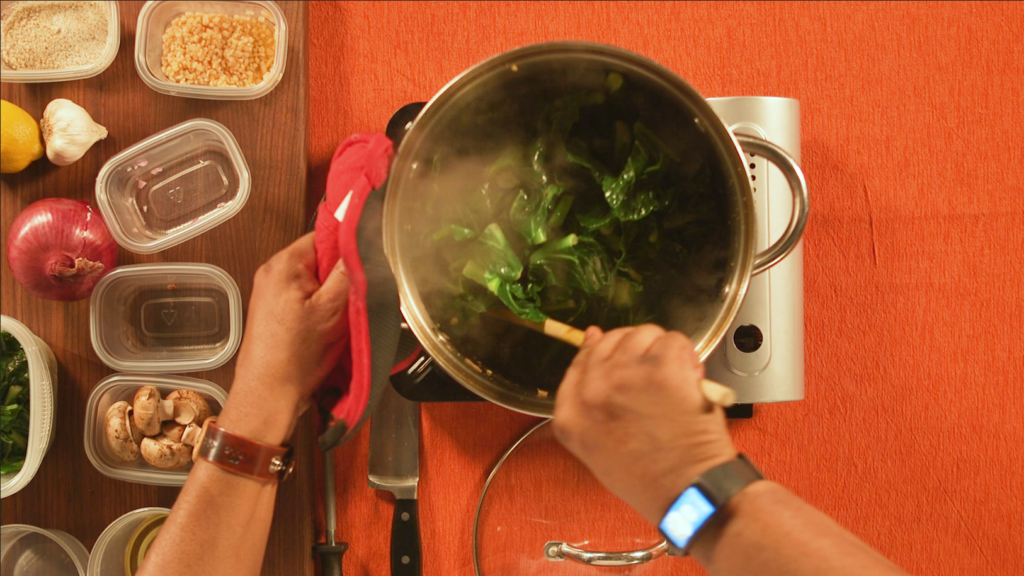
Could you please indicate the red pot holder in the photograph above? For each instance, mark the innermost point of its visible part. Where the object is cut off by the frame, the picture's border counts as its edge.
(348, 226)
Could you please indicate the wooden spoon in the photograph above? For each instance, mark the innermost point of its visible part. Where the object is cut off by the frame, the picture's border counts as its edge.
(715, 393)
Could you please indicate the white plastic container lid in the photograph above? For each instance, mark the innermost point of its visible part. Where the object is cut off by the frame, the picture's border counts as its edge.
(123, 386)
(153, 20)
(108, 554)
(166, 318)
(30, 551)
(173, 186)
(42, 376)
(104, 61)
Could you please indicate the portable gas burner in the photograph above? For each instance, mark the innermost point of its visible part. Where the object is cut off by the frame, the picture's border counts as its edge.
(762, 354)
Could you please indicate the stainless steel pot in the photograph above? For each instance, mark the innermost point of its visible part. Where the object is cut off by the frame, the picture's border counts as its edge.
(497, 101)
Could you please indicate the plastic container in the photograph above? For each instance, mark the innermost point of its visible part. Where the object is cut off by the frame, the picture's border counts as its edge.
(104, 61)
(166, 318)
(42, 376)
(110, 554)
(153, 20)
(123, 386)
(29, 551)
(173, 186)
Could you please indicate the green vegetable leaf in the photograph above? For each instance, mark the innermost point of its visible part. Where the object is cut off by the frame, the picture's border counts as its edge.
(14, 412)
(497, 268)
(530, 213)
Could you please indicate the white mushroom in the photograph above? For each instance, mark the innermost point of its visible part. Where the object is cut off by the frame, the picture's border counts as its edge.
(118, 431)
(173, 430)
(189, 406)
(164, 453)
(149, 411)
(192, 434)
(202, 435)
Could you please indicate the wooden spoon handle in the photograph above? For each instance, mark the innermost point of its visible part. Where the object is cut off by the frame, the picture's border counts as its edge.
(715, 393)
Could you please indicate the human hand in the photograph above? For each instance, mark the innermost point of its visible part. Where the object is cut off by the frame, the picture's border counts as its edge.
(630, 408)
(294, 336)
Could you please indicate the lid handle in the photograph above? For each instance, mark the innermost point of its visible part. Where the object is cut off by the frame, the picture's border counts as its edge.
(560, 551)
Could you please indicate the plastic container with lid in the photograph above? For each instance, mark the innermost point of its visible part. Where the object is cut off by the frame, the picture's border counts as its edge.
(153, 21)
(173, 186)
(122, 386)
(166, 318)
(133, 532)
(42, 376)
(79, 73)
(29, 551)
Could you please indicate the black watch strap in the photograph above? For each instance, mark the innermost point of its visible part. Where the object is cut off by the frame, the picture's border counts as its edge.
(691, 511)
(725, 480)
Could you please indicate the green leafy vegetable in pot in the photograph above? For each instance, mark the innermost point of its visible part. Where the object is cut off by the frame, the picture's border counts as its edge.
(595, 221)
(14, 392)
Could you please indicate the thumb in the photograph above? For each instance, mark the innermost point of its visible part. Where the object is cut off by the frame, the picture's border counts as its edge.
(591, 337)
(336, 286)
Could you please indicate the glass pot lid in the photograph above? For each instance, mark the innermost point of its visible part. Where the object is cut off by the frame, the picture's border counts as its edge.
(541, 509)
(573, 181)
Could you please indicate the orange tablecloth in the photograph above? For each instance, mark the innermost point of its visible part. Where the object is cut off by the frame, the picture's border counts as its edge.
(913, 144)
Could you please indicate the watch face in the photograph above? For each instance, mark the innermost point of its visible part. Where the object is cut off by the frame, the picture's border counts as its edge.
(689, 512)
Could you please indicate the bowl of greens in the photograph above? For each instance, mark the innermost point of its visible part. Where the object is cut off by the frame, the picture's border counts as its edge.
(576, 182)
(28, 377)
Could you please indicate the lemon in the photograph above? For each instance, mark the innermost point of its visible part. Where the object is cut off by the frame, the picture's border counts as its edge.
(20, 143)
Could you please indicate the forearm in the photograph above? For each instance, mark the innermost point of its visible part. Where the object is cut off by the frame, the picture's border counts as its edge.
(769, 530)
(220, 523)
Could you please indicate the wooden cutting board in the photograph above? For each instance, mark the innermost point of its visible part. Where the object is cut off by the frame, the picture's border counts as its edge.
(68, 493)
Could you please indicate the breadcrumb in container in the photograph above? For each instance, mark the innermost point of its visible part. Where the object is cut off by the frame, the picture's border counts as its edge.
(218, 50)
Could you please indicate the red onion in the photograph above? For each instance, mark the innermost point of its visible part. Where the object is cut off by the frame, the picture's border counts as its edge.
(59, 248)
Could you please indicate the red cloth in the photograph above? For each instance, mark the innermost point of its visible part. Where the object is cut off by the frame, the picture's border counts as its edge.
(913, 145)
(359, 166)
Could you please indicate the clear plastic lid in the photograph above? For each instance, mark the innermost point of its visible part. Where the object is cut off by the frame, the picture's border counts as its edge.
(31, 551)
(42, 376)
(109, 554)
(78, 73)
(173, 186)
(122, 386)
(166, 318)
(153, 21)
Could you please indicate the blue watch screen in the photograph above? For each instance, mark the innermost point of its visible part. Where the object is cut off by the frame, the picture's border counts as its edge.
(689, 512)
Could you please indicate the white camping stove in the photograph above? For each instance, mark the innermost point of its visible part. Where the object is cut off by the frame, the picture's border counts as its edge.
(762, 354)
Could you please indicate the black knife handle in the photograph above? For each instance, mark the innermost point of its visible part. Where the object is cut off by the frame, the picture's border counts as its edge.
(330, 558)
(405, 539)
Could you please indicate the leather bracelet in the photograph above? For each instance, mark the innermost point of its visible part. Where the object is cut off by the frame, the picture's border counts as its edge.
(245, 457)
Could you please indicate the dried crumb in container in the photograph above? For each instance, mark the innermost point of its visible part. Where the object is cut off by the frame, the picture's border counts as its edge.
(218, 50)
(53, 35)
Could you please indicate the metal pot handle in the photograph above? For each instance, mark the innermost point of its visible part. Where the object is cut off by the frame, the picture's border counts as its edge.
(795, 177)
(560, 551)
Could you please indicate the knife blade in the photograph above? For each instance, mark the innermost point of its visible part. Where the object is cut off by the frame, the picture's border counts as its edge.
(395, 467)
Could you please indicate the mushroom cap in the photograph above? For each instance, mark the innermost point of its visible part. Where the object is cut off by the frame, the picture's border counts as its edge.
(118, 432)
(202, 435)
(189, 406)
(164, 453)
(173, 430)
(146, 409)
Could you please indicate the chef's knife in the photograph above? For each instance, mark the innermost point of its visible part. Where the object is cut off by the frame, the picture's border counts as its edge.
(395, 467)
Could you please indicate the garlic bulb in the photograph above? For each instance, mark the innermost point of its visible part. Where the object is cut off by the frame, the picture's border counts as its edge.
(69, 131)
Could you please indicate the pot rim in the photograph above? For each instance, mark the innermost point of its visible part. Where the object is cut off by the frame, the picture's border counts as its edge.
(464, 370)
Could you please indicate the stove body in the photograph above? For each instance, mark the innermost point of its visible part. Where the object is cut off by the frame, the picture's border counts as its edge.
(762, 354)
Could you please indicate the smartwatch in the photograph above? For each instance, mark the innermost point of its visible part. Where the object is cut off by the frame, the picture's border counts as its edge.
(704, 498)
